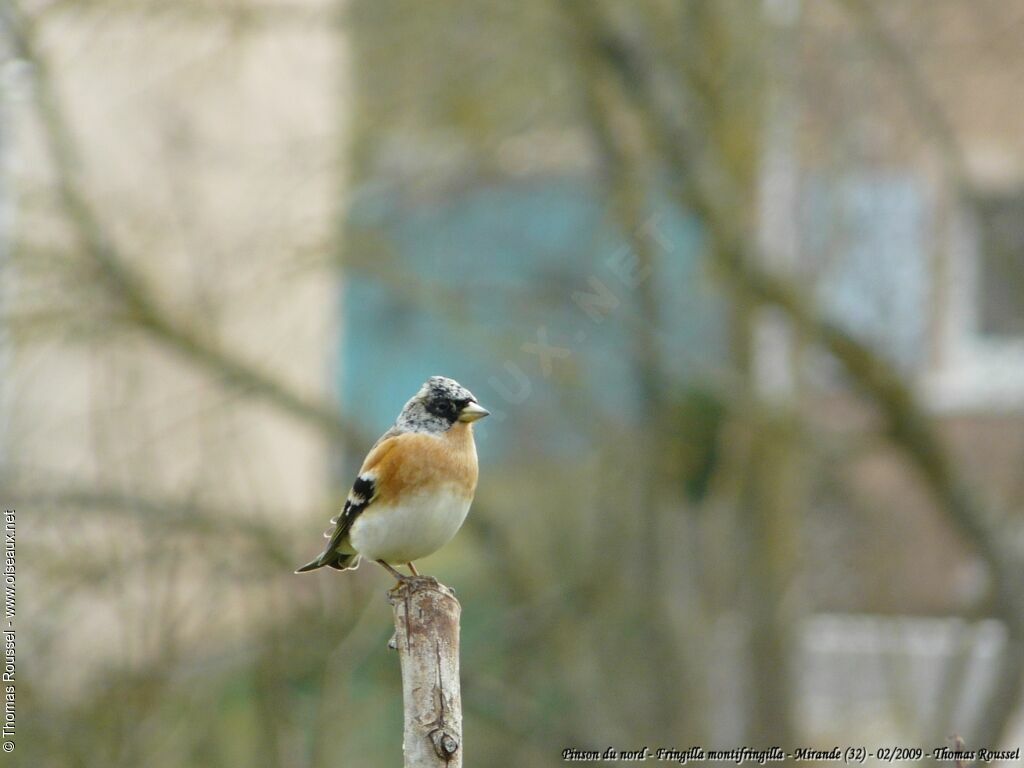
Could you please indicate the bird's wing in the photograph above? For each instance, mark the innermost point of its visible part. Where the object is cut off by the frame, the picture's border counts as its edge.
(363, 492)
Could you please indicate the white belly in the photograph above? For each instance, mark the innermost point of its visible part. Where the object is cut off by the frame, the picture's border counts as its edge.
(419, 527)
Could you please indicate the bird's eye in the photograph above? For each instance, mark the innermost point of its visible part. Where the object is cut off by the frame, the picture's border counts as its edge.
(446, 408)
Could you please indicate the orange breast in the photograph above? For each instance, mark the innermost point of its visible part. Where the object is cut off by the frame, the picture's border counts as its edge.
(419, 461)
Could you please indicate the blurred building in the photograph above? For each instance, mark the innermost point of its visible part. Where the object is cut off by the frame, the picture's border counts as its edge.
(912, 192)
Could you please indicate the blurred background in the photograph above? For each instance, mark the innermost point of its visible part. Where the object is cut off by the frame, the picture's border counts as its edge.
(742, 283)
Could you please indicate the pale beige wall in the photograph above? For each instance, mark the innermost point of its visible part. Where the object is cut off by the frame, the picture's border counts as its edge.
(211, 151)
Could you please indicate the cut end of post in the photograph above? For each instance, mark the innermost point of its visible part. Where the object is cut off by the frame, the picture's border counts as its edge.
(413, 584)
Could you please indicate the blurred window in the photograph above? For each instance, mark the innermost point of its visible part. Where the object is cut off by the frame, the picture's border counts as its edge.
(980, 354)
(1000, 219)
(864, 239)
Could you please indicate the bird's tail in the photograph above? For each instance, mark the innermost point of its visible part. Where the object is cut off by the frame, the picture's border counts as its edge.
(339, 561)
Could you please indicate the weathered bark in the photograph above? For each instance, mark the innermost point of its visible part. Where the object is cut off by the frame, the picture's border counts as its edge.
(427, 641)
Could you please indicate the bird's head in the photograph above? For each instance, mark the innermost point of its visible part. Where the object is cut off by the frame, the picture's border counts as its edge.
(440, 403)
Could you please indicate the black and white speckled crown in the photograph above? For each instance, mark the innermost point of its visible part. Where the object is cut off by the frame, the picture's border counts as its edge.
(435, 407)
(441, 387)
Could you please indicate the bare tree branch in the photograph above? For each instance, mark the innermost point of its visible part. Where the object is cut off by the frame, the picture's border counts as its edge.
(186, 515)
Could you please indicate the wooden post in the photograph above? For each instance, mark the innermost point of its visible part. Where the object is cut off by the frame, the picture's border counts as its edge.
(427, 641)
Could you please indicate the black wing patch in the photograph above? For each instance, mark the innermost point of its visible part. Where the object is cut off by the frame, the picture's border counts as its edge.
(363, 491)
(361, 494)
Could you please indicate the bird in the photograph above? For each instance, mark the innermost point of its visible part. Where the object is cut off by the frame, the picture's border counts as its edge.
(415, 486)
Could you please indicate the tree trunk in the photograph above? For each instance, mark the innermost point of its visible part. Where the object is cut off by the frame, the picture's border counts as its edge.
(427, 641)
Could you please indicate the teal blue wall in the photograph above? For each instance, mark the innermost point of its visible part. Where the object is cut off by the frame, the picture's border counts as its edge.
(501, 262)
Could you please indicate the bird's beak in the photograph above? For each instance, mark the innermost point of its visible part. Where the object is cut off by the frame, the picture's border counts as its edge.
(472, 412)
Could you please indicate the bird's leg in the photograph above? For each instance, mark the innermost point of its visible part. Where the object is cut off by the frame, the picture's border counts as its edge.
(397, 574)
(413, 569)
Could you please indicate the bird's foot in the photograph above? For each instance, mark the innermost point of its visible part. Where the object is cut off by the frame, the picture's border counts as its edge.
(405, 580)
(402, 578)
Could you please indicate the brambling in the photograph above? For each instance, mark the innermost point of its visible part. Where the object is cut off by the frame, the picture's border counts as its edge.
(415, 486)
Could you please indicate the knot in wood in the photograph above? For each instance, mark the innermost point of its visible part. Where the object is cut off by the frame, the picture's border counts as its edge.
(445, 744)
